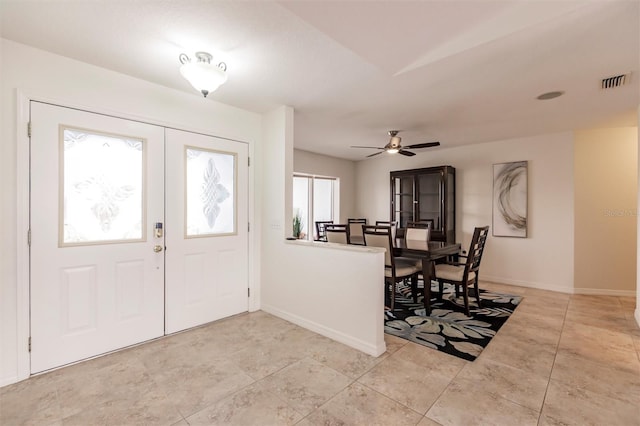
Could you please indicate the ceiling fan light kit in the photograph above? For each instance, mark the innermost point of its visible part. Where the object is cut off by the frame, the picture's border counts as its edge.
(203, 75)
(394, 146)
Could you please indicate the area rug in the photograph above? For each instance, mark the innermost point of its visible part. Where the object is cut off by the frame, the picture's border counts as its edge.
(448, 329)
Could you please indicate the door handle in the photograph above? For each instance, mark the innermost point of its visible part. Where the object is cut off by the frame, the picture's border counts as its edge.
(157, 249)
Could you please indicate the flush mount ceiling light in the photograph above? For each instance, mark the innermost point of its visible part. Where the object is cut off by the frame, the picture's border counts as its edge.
(204, 76)
(550, 95)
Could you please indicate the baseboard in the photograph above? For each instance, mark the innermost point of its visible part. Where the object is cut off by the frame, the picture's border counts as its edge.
(604, 292)
(526, 284)
(561, 289)
(336, 335)
(637, 315)
(6, 381)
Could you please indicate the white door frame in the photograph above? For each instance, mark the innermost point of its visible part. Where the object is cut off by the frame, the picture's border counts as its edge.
(23, 100)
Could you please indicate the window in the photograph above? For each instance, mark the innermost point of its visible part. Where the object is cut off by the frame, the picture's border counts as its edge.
(315, 198)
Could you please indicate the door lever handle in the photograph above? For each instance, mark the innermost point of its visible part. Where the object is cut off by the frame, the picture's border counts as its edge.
(157, 249)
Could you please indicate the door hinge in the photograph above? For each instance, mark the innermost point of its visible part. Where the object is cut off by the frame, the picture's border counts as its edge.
(29, 344)
(29, 237)
(29, 129)
(249, 161)
(248, 295)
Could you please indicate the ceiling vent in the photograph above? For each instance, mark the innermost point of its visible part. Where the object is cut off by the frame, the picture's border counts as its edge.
(615, 81)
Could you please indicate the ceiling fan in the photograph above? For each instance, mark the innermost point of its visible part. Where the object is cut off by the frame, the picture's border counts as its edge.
(394, 147)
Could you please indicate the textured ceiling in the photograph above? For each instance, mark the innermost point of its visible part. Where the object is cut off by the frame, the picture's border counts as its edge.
(460, 72)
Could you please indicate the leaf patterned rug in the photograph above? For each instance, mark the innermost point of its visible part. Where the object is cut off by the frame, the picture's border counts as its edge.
(448, 329)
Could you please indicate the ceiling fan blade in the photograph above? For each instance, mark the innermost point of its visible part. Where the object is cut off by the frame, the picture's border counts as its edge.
(407, 153)
(368, 147)
(422, 145)
(374, 154)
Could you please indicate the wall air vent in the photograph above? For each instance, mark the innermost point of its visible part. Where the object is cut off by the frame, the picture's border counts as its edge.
(615, 81)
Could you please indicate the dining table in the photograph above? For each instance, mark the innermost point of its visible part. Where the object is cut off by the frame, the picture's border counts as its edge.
(428, 252)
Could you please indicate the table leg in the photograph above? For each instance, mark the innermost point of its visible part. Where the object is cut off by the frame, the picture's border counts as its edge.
(427, 267)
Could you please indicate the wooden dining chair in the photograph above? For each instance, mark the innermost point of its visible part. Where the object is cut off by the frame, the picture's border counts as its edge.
(320, 235)
(462, 274)
(337, 233)
(355, 230)
(396, 269)
(392, 225)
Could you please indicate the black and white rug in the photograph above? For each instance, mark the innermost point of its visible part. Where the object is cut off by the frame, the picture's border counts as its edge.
(448, 329)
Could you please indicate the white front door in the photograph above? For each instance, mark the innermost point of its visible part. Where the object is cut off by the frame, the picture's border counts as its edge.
(207, 246)
(97, 188)
(97, 261)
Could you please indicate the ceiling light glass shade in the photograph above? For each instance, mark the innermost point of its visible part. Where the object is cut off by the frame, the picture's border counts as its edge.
(204, 76)
(393, 150)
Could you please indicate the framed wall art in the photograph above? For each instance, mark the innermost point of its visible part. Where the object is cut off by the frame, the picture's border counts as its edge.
(510, 199)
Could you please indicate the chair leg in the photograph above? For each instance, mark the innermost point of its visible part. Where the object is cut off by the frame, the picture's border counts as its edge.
(477, 293)
(393, 294)
(465, 295)
(414, 287)
(441, 285)
(427, 298)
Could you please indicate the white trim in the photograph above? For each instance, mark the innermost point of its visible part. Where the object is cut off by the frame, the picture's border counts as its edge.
(637, 315)
(558, 288)
(23, 367)
(338, 336)
(604, 292)
(23, 100)
(527, 284)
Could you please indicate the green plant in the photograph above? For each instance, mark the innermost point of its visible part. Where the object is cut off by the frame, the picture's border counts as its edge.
(297, 225)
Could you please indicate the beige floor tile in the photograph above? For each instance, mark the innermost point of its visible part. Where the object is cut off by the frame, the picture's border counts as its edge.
(627, 302)
(586, 301)
(195, 385)
(547, 294)
(426, 421)
(528, 330)
(264, 359)
(568, 405)
(344, 359)
(597, 344)
(520, 353)
(360, 405)
(519, 386)
(306, 384)
(612, 320)
(465, 402)
(444, 364)
(608, 380)
(528, 320)
(34, 401)
(254, 405)
(415, 386)
(548, 306)
(394, 343)
(100, 382)
(151, 406)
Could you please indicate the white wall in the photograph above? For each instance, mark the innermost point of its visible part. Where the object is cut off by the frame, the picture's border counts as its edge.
(545, 258)
(323, 165)
(313, 284)
(50, 77)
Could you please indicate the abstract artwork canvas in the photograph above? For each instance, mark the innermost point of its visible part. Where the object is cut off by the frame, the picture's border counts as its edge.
(510, 199)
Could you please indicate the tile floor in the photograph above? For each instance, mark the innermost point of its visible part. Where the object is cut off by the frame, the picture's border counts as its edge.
(559, 360)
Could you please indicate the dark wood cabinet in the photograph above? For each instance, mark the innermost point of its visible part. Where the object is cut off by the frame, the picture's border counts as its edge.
(427, 194)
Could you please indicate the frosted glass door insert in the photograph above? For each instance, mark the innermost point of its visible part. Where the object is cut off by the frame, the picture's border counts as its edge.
(210, 193)
(102, 188)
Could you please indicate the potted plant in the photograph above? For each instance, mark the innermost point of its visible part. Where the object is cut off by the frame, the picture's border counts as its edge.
(297, 226)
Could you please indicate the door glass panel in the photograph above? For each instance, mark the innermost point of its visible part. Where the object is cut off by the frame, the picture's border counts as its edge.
(102, 188)
(210, 193)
